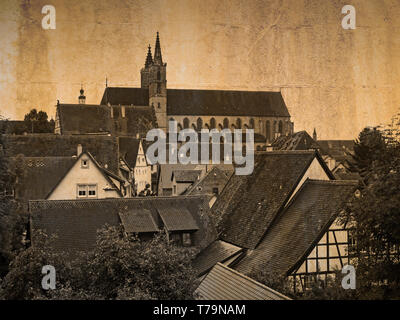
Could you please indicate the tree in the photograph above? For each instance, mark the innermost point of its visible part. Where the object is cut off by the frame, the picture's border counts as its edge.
(375, 217)
(119, 267)
(37, 122)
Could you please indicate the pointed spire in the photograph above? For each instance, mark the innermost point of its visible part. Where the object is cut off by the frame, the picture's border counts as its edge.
(157, 51)
(149, 59)
(315, 135)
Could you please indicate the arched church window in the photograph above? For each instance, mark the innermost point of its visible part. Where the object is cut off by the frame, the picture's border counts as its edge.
(251, 123)
(158, 75)
(280, 129)
(212, 123)
(193, 126)
(186, 123)
(226, 123)
(199, 123)
(261, 127)
(238, 123)
(274, 130)
(268, 131)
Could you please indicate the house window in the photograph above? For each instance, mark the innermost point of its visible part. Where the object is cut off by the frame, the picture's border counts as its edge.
(84, 163)
(186, 239)
(215, 191)
(87, 191)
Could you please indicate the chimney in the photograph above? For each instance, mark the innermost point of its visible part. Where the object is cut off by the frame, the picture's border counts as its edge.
(123, 111)
(78, 150)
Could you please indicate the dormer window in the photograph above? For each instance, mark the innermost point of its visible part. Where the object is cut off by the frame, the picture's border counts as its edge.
(84, 163)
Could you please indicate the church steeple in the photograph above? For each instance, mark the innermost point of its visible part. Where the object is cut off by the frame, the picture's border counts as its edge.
(149, 59)
(157, 52)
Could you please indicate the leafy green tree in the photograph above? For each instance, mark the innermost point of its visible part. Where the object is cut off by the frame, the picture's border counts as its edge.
(37, 122)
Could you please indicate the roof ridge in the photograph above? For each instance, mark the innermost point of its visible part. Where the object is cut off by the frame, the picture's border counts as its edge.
(336, 182)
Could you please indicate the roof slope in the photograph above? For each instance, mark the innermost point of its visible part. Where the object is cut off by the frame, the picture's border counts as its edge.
(84, 118)
(138, 220)
(104, 148)
(223, 283)
(218, 251)
(300, 226)
(177, 218)
(205, 102)
(186, 175)
(297, 141)
(76, 221)
(338, 149)
(248, 204)
(40, 175)
(129, 149)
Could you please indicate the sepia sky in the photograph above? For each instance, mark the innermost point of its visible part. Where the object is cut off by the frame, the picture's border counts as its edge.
(335, 80)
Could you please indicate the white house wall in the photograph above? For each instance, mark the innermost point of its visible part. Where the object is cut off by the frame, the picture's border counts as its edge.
(67, 189)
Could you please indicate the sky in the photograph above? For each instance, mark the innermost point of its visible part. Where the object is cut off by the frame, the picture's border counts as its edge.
(335, 80)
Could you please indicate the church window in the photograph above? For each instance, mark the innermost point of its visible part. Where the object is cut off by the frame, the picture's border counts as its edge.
(239, 123)
(158, 89)
(212, 123)
(268, 129)
(280, 128)
(158, 75)
(186, 123)
(199, 124)
(226, 123)
(261, 127)
(159, 105)
(251, 123)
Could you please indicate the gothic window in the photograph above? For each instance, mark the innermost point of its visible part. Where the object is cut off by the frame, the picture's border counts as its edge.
(274, 130)
(226, 123)
(193, 126)
(261, 127)
(268, 129)
(212, 123)
(186, 123)
(158, 75)
(251, 123)
(158, 88)
(238, 123)
(199, 124)
(280, 128)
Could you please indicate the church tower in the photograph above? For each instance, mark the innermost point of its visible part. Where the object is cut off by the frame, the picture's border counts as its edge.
(157, 84)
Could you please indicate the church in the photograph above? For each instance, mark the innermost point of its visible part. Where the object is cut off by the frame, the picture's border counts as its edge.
(134, 111)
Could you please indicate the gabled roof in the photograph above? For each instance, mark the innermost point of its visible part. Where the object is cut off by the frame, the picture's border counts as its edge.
(177, 219)
(218, 251)
(205, 102)
(297, 141)
(138, 221)
(76, 221)
(223, 283)
(40, 175)
(216, 176)
(299, 227)
(188, 176)
(104, 148)
(248, 204)
(106, 174)
(86, 119)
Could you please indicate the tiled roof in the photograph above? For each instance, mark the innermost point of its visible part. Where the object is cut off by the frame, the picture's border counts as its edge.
(40, 175)
(76, 221)
(125, 96)
(186, 175)
(138, 220)
(223, 283)
(297, 141)
(104, 148)
(217, 176)
(248, 204)
(218, 251)
(205, 102)
(337, 149)
(177, 218)
(299, 227)
(84, 119)
(128, 149)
